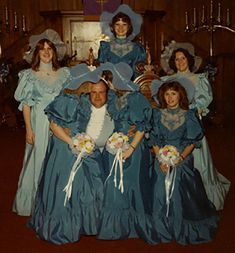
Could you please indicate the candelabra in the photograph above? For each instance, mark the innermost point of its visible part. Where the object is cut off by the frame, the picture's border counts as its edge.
(14, 26)
(211, 25)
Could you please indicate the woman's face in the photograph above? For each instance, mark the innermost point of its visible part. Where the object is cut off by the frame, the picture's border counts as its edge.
(46, 53)
(172, 98)
(121, 28)
(181, 62)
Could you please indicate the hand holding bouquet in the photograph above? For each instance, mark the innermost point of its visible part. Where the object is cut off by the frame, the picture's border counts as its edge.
(83, 145)
(168, 155)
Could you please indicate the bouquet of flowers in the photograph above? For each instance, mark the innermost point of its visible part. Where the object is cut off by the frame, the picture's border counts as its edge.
(168, 155)
(117, 141)
(115, 145)
(83, 145)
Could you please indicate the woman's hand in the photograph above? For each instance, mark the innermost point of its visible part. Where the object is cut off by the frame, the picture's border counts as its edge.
(30, 136)
(128, 153)
(164, 167)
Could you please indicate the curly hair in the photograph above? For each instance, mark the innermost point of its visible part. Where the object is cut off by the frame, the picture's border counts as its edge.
(36, 58)
(123, 17)
(175, 86)
(186, 53)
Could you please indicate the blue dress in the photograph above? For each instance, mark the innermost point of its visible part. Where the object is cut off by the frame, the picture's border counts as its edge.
(53, 220)
(122, 50)
(216, 185)
(37, 94)
(128, 214)
(192, 217)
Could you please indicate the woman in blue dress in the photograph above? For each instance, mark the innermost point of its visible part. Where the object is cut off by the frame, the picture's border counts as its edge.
(181, 209)
(126, 210)
(122, 27)
(179, 59)
(70, 192)
(37, 87)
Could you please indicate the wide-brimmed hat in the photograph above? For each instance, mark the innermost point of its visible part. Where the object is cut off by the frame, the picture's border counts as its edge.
(51, 35)
(106, 20)
(167, 53)
(185, 82)
(121, 75)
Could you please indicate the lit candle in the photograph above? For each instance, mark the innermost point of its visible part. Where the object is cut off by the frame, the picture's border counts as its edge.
(219, 13)
(6, 17)
(23, 24)
(194, 17)
(227, 18)
(15, 20)
(186, 18)
(203, 14)
(0, 51)
(211, 10)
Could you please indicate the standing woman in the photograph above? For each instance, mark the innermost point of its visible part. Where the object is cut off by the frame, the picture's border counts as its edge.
(180, 60)
(181, 209)
(127, 202)
(122, 27)
(37, 87)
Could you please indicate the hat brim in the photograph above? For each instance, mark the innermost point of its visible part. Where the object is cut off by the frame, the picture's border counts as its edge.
(167, 53)
(106, 20)
(185, 82)
(122, 74)
(51, 35)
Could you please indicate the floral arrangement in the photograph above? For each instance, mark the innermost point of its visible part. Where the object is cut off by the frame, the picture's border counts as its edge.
(116, 144)
(83, 145)
(168, 155)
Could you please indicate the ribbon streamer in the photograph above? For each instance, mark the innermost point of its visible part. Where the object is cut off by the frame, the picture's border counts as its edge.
(118, 160)
(68, 188)
(169, 185)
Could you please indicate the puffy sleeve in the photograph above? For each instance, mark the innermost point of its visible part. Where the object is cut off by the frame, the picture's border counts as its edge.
(63, 110)
(139, 57)
(194, 129)
(203, 94)
(140, 112)
(103, 51)
(24, 90)
(155, 138)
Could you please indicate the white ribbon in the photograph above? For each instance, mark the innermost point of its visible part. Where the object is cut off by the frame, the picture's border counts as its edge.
(169, 185)
(69, 186)
(118, 160)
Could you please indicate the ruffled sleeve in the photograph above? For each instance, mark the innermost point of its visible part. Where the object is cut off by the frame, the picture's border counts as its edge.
(140, 111)
(155, 137)
(63, 110)
(139, 57)
(194, 129)
(203, 94)
(24, 90)
(103, 51)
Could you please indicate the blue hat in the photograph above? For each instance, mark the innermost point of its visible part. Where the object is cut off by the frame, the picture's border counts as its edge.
(185, 82)
(122, 74)
(106, 20)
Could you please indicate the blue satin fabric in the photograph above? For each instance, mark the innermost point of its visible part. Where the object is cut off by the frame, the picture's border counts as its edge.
(135, 55)
(192, 217)
(52, 220)
(128, 214)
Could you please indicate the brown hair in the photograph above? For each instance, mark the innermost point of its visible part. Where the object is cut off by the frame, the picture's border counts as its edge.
(123, 17)
(176, 86)
(186, 53)
(36, 59)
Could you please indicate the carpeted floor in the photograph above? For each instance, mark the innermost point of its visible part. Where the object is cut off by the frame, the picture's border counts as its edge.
(15, 237)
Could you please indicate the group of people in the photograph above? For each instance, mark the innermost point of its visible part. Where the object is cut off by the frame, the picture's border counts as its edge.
(100, 160)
